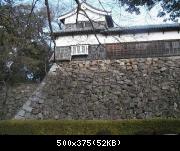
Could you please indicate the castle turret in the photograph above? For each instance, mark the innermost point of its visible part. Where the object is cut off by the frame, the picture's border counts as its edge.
(88, 17)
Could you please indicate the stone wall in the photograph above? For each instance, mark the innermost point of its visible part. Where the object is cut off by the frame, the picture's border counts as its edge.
(108, 89)
(15, 97)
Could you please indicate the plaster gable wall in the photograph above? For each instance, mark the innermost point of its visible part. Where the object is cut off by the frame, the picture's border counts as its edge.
(82, 17)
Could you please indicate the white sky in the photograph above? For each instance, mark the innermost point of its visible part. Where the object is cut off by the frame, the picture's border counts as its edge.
(119, 15)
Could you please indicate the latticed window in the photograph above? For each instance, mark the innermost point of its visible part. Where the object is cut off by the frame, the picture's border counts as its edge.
(79, 50)
(176, 47)
(73, 49)
(63, 53)
(79, 25)
(176, 44)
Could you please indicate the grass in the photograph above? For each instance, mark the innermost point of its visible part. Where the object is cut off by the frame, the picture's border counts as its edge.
(90, 127)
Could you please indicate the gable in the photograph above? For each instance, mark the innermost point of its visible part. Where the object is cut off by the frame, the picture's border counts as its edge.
(83, 17)
(93, 13)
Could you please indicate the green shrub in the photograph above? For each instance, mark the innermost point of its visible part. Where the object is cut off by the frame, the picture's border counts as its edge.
(92, 127)
(104, 132)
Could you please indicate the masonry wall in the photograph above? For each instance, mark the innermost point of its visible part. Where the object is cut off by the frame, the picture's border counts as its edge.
(109, 89)
(13, 99)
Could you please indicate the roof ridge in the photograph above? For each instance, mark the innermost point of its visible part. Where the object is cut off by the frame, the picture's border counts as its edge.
(90, 8)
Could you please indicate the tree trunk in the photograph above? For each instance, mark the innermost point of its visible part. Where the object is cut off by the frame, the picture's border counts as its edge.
(50, 26)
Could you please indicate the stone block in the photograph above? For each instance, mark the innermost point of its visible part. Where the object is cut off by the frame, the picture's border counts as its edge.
(28, 103)
(40, 116)
(17, 117)
(27, 108)
(165, 87)
(121, 63)
(163, 69)
(135, 67)
(129, 67)
(21, 113)
(41, 101)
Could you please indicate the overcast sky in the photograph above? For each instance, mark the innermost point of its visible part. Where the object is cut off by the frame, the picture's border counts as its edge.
(120, 16)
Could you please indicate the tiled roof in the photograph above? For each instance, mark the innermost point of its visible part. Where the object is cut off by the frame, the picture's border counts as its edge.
(122, 30)
(144, 28)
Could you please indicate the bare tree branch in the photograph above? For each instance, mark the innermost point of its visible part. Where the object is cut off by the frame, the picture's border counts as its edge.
(50, 25)
(32, 9)
(79, 9)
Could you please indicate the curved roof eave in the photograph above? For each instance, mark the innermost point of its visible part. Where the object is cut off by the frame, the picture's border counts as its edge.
(68, 14)
(87, 6)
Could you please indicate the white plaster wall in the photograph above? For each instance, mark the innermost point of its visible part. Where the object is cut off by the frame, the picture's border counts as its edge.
(91, 39)
(82, 17)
